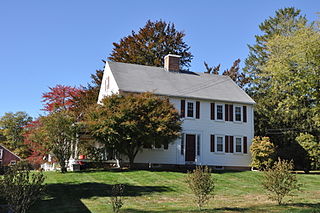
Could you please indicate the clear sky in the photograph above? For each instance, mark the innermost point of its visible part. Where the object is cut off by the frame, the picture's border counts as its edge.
(45, 43)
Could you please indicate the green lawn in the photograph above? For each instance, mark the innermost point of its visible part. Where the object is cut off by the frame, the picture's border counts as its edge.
(148, 191)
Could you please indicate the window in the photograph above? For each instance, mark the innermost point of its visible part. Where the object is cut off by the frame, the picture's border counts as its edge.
(219, 112)
(107, 83)
(238, 145)
(13, 162)
(219, 144)
(1, 153)
(190, 110)
(237, 113)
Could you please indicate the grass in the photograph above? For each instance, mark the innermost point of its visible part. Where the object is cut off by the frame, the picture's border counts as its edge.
(147, 191)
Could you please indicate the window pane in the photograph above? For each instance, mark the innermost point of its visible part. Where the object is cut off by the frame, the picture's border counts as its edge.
(238, 145)
(219, 144)
(219, 112)
(190, 109)
(238, 113)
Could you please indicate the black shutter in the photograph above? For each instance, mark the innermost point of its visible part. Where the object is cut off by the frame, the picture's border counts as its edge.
(197, 109)
(182, 108)
(212, 143)
(226, 142)
(212, 106)
(166, 145)
(244, 111)
(245, 144)
(182, 144)
(226, 112)
(231, 143)
(230, 112)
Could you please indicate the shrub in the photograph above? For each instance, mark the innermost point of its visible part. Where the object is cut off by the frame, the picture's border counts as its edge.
(279, 181)
(201, 184)
(116, 197)
(21, 188)
(263, 152)
(310, 144)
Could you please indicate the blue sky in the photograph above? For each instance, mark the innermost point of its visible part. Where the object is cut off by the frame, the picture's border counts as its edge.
(45, 43)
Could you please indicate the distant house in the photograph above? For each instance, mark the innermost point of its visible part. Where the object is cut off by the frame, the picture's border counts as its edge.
(217, 115)
(7, 157)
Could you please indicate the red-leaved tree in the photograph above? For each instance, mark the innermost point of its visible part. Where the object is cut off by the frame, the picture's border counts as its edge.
(33, 138)
(60, 98)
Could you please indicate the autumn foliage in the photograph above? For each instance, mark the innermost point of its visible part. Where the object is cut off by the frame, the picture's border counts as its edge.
(60, 97)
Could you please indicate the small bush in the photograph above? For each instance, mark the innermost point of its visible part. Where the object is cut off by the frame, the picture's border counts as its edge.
(312, 146)
(201, 184)
(279, 181)
(116, 197)
(263, 152)
(20, 188)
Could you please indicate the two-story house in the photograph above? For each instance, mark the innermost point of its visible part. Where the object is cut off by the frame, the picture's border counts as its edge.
(217, 115)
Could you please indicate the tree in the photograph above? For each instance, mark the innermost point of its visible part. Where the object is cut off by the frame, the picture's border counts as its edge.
(233, 72)
(21, 188)
(312, 147)
(149, 46)
(294, 70)
(60, 135)
(263, 152)
(279, 181)
(60, 97)
(285, 22)
(34, 138)
(11, 126)
(129, 122)
(212, 70)
(201, 184)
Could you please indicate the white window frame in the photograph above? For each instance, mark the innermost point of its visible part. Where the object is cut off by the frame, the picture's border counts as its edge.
(234, 113)
(1, 154)
(235, 144)
(194, 109)
(216, 144)
(219, 104)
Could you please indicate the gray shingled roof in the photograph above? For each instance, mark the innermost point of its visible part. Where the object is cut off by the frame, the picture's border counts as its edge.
(139, 78)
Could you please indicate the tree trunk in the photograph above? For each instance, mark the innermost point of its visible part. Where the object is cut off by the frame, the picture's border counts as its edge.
(63, 166)
(131, 162)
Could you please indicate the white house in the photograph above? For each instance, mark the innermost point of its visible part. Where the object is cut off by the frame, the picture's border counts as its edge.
(217, 115)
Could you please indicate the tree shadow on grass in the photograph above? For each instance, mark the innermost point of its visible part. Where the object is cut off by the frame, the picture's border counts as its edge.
(315, 206)
(190, 211)
(66, 197)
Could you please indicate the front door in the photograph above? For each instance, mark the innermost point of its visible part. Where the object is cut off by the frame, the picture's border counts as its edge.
(190, 148)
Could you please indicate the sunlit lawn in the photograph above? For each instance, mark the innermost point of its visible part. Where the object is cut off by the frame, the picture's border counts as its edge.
(147, 191)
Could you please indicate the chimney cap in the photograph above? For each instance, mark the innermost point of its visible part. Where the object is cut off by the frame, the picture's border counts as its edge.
(173, 55)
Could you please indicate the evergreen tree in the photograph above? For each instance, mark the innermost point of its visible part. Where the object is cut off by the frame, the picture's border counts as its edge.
(285, 22)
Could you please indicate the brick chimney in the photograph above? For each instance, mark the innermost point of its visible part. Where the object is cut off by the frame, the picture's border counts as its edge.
(172, 63)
